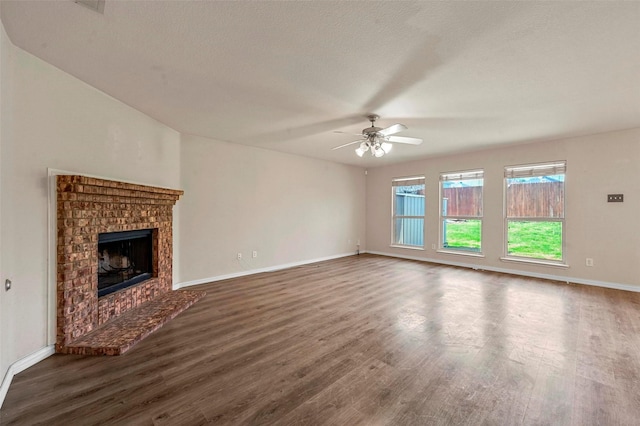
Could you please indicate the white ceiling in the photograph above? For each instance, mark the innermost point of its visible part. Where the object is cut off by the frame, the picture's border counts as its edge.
(285, 75)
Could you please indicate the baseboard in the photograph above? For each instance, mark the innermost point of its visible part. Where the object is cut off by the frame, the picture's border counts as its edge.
(257, 271)
(21, 365)
(573, 280)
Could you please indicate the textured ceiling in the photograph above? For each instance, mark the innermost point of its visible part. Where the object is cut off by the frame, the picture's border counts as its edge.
(286, 75)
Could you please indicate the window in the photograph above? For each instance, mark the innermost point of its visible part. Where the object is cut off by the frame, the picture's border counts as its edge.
(461, 211)
(408, 212)
(534, 211)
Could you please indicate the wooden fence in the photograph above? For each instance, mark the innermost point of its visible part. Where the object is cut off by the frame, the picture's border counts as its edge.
(540, 199)
(465, 201)
(537, 199)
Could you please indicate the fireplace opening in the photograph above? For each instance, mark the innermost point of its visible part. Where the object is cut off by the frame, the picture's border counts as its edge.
(124, 259)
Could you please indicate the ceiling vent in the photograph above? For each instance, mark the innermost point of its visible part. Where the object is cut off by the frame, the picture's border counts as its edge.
(95, 5)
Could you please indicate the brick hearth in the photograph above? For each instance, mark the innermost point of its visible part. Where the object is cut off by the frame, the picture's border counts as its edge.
(87, 207)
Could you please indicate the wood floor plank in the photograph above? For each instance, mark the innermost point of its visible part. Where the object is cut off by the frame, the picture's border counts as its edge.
(361, 340)
(551, 399)
(338, 398)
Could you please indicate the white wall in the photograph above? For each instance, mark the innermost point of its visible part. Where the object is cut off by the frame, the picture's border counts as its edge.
(288, 208)
(58, 122)
(596, 166)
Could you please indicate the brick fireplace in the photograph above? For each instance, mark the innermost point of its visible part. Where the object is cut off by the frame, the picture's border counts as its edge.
(87, 207)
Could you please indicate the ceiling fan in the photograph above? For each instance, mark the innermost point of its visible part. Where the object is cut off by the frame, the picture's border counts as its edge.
(378, 140)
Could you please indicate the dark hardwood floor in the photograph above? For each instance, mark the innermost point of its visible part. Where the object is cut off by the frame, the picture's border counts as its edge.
(363, 340)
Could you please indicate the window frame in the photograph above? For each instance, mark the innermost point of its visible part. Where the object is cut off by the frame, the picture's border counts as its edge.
(475, 174)
(549, 168)
(408, 181)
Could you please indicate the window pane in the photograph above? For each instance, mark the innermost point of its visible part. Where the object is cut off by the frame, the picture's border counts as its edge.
(408, 232)
(461, 234)
(409, 200)
(462, 197)
(540, 196)
(540, 240)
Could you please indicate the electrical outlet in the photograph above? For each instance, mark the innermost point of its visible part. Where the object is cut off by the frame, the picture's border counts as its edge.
(239, 256)
(589, 261)
(615, 198)
(7, 285)
(255, 254)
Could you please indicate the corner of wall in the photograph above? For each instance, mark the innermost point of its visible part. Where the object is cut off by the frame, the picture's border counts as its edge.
(4, 81)
(21, 365)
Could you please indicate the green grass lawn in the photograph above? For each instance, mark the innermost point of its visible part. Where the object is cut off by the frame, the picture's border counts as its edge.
(465, 235)
(541, 240)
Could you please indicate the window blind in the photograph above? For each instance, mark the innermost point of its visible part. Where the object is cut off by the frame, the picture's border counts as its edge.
(417, 180)
(474, 174)
(556, 168)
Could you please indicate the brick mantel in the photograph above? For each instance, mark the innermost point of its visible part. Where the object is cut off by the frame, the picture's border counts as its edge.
(87, 207)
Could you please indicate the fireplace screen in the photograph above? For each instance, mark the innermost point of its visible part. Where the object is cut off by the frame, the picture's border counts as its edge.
(124, 259)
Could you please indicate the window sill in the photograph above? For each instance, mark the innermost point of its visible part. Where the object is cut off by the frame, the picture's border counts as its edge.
(460, 252)
(407, 247)
(534, 262)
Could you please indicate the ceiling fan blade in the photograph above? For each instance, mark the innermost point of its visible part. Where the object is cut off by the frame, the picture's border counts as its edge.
(346, 133)
(392, 130)
(401, 139)
(347, 144)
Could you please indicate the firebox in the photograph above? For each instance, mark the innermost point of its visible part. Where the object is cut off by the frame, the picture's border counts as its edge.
(124, 259)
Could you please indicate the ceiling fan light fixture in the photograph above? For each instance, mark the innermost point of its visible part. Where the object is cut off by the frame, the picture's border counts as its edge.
(364, 146)
(359, 151)
(386, 147)
(378, 151)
